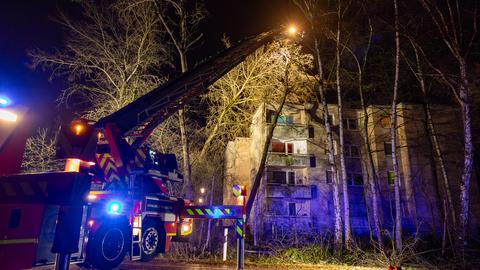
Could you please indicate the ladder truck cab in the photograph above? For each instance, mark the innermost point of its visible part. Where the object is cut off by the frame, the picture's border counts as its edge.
(130, 207)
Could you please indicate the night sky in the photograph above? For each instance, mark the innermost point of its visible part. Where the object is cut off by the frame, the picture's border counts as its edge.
(28, 24)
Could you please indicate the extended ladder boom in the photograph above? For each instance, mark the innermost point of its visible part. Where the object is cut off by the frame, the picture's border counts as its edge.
(139, 118)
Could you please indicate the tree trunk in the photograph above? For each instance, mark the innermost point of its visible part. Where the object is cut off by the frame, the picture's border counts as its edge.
(393, 134)
(209, 226)
(468, 157)
(330, 154)
(372, 184)
(438, 161)
(266, 145)
(344, 181)
(187, 189)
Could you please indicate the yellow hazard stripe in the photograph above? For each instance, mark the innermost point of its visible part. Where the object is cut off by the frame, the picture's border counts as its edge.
(199, 211)
(239, 231)
(19, 241)
(190, 212)
(171, 234)
(209, 212)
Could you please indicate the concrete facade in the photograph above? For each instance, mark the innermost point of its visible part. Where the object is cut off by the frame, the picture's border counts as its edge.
(296, 190)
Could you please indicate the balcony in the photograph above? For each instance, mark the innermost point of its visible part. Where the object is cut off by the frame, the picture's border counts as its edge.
(289, 160)
(294, 191)
(294, 131)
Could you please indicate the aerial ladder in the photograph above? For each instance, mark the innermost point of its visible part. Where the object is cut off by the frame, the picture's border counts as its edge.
(113, 197)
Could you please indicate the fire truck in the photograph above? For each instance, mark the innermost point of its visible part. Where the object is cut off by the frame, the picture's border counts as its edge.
(114, 194)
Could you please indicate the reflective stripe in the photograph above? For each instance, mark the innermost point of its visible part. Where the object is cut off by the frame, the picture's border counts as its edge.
(19, 241)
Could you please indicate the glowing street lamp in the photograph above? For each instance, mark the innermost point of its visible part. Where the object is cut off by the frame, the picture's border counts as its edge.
(200, 200)
(292, 30)
(202, 190)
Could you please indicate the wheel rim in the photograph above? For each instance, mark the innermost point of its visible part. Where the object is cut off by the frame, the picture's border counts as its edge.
(112, 244)
(150, 241)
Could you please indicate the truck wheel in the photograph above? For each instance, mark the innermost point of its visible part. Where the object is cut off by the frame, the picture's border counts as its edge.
(153, 239)
(108, 246)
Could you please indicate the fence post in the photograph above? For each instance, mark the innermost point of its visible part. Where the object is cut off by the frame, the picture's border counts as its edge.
(225, 243)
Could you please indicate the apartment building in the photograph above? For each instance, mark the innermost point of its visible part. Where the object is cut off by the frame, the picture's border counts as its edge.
(296, 190)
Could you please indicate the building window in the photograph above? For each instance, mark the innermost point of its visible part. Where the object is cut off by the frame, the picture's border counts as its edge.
(350, 124)
(278, 177)
(391, 178)
(282, 177)
(387, 148)
(275, 207)
(281, 147)
(351, 151)
(292, 209)
(313, 162)
(291, 178)
(329, 177)
(283, 119)
(311, 132)
(355, 179)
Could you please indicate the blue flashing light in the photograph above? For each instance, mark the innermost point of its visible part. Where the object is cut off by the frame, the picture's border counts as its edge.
(4, 101)
(114, 207)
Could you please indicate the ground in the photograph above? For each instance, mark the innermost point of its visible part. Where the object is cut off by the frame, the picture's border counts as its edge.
(160, 265)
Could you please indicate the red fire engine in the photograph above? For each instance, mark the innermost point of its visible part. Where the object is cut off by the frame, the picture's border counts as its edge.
(114, 196)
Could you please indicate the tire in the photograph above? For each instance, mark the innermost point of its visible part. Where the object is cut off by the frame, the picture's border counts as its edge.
(108, 245)
(153, 239)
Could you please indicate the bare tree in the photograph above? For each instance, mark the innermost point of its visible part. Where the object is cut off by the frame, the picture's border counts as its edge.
(288, 80)
(343, 168)
(451, 21)
(373, 175)
(110, 57)
(181, 19)
(234, 98)
(393, 134)
(39, 153)
(438, 157)
(311, 10)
